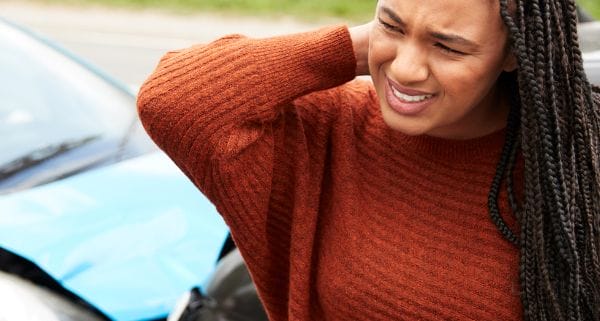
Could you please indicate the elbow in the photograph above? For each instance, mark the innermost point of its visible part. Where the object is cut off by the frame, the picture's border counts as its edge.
(147, 107)
(150, 99)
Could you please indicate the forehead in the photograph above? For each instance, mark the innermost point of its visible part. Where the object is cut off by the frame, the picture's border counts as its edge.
(475, 18)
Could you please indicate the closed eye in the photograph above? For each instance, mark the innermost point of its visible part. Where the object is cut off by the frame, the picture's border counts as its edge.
(390, 26)
(449, 50)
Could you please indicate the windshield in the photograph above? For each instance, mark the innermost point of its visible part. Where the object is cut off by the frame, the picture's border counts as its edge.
(47, 99)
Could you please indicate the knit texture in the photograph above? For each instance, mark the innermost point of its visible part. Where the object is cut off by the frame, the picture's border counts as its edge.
(337, 216)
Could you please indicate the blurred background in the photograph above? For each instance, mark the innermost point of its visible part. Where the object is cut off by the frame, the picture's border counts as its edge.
(127, 37)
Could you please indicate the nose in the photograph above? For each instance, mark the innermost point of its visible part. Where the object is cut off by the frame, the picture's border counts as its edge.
(410, 65)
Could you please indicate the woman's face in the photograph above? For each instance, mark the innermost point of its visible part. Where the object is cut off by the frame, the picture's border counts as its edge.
(435, 64)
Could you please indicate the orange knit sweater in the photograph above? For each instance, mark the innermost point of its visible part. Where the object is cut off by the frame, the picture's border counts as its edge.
(337, 216)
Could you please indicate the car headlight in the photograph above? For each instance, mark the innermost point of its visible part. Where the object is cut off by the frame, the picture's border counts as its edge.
(230, 296)
(21, 300)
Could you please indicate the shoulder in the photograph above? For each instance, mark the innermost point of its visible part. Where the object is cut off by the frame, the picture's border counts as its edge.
(354, 99)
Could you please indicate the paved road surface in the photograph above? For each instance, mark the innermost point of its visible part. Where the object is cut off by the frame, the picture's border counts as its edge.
(128, 44)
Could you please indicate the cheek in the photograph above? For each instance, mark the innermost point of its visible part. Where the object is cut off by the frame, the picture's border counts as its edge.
(381, 51)
(464, 80)
(455, 78)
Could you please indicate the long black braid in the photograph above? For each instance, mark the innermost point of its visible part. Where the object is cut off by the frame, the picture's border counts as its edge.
(555, 125)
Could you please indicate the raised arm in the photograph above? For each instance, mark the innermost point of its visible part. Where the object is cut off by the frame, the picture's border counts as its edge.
(205, 91)
(248, 121)
(214, 108)
(199, 97)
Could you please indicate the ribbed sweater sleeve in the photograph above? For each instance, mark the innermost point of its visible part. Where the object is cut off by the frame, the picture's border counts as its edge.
(215, 110)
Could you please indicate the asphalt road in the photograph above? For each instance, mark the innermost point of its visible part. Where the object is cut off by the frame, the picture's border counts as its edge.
(128, 44)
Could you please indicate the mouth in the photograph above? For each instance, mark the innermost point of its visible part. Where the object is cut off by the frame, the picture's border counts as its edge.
(409, 98)
(407, 101)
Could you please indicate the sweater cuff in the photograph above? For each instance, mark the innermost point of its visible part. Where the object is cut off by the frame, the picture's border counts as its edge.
(321, 59)
(336, 54)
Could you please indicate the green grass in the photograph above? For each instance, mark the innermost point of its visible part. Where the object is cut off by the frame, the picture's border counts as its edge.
(354, 10)
(591, 6)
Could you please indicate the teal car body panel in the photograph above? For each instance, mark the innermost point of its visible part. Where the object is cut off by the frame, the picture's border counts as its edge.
(130, 237)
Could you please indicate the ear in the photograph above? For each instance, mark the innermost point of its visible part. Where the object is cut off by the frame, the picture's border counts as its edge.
(510, 62)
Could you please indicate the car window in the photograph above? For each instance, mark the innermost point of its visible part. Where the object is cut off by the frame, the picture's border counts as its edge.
(46, 99)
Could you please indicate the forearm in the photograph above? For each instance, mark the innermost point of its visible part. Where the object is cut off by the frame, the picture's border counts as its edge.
(215, 87)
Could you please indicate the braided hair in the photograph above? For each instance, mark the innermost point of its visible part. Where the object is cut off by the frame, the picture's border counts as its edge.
(554, 124)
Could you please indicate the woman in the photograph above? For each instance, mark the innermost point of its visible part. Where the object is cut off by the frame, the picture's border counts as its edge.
(352, 200)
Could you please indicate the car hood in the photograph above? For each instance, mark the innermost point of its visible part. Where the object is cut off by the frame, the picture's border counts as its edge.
(129, 238)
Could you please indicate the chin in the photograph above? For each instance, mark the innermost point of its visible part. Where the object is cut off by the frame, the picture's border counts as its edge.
(407, 127)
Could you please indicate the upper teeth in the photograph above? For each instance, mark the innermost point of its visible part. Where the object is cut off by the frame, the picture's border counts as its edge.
(409, 98)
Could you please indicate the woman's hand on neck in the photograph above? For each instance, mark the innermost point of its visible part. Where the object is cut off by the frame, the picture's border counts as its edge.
(360, 43)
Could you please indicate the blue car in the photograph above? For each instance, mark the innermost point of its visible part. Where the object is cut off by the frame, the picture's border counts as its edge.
(96, 223)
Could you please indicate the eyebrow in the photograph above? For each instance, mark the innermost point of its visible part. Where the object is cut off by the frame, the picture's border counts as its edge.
(452, 38)
(393, 16)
